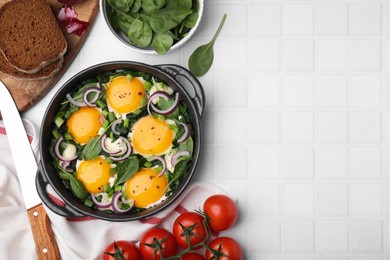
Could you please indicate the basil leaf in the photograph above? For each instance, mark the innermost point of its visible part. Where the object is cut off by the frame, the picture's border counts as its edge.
(126, 169)
(162, 42)
(165, 104)
(121, 5)
(92, 149)
(140, 33)
(202, 58)
(168, 18)
(151, 6)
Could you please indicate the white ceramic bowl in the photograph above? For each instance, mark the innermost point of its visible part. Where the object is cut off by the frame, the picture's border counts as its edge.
(105, 9)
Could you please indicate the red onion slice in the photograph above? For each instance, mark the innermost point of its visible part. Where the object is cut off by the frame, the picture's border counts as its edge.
(126, 155)
(64, 165)
(165, 96)
(115, 203)
(57, 151)
(100, 204)
(95, 97)
(114, 124)
(186, 134)
(164, 164)
(175, 158)
(74, 102)
(102, 144)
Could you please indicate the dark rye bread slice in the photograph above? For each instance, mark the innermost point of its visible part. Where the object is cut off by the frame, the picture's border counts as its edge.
(30, 37)
(46, 72)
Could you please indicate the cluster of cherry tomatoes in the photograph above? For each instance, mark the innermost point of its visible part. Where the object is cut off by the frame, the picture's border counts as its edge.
(191, 231)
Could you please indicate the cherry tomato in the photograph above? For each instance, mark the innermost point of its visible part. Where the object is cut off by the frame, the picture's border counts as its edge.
(192, 256)
(222, 211)
(154, 239)
(189, 224)
(121, 249)
(224, 248)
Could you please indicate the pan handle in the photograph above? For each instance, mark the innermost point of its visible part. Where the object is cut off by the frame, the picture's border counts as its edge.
(65, 211)
(196, 92)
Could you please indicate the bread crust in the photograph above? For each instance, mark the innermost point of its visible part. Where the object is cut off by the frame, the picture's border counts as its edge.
(46, 72)
(30, 37)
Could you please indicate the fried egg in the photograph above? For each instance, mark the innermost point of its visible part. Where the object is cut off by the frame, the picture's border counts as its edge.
(151, 136)
(125, 95)
(94, 174)
(145, 187)
(84, 124)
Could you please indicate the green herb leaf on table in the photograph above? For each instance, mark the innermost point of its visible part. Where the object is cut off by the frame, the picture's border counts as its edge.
(202, 58)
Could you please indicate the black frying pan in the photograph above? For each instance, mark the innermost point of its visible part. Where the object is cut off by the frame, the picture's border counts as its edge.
(177, 77)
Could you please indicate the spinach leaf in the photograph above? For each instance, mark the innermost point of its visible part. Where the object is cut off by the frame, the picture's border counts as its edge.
(162, 42)
(179, 3)
(202, 58)
(188, 145)
(76, 185)
(168, 18)
(78, 188)
(165, 104)
(191, 20)
(179, 172)
(151, 6)
(136, 6)
(140, 33)
(92, 149)
(121, 5)
(121, 21)
(126, 169)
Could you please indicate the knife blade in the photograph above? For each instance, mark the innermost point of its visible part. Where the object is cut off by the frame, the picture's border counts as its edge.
(26, 168)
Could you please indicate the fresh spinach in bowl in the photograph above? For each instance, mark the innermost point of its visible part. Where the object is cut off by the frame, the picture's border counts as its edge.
(155, 23)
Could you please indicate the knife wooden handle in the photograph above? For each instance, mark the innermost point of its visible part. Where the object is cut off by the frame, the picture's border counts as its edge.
(45, 242)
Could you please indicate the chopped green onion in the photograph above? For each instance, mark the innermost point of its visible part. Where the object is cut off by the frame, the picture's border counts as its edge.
(100, 103)
(105, 124)
(126, 122)
(118, 188)
(148, 164)
(88, 202)
(55, 133)
(108, 160)
(106, 187)
(129, 77)
(144, 101)
(58, 120)
(111, 116)
(147, 85)
(68, 136)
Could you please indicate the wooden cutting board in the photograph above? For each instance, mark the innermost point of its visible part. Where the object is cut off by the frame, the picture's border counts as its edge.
(28, 92)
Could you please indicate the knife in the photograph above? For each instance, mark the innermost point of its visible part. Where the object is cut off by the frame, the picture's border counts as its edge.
(26, 168)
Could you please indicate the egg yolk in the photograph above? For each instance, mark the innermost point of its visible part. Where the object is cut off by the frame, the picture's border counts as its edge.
(151, 136)
(145, 187)
(94, 174)
(125, 95)
(84, 124)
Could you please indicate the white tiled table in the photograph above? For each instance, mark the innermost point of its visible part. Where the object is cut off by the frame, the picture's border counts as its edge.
(296, 123)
